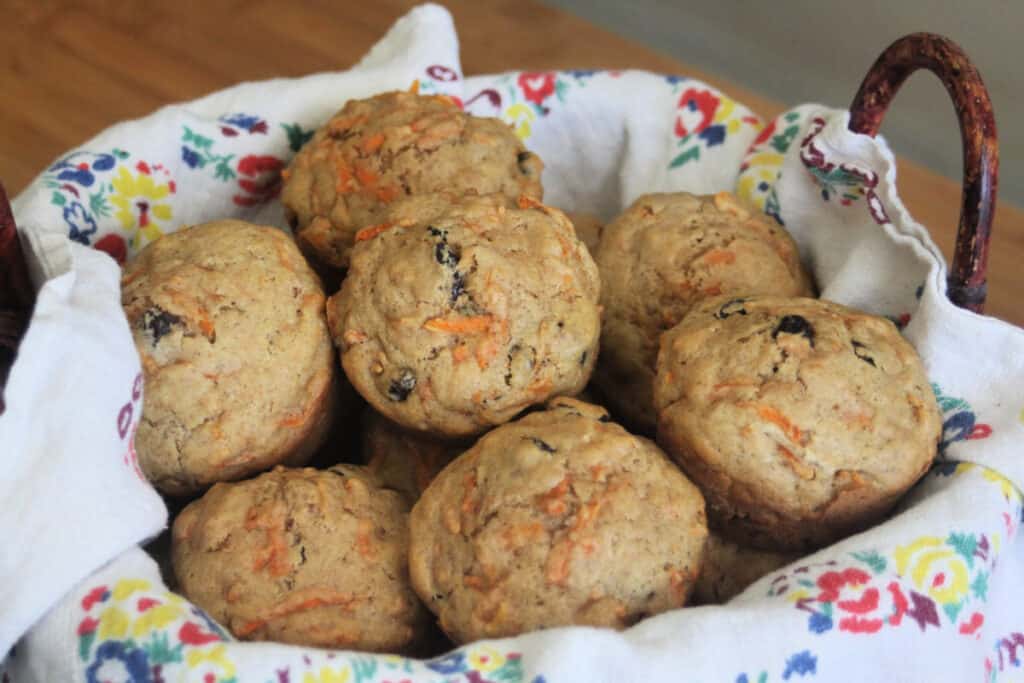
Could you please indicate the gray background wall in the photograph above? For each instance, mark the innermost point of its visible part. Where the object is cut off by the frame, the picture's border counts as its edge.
(795, 51)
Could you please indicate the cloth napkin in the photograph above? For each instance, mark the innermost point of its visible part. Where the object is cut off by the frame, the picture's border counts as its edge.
(931, 594)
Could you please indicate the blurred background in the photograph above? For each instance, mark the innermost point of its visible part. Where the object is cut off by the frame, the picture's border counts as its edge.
(796, 51)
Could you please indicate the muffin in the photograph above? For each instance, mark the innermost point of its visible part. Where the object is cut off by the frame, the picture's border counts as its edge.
(588, 228)
(460, 312)
(302, 556)
(801, 420)
(729, 568)
(239, 372)
(390, 146)
(661, 256)
(404, 461)
(559, 518)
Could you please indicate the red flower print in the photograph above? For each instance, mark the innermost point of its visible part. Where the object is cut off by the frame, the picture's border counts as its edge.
(537, 87)
(113, 245)
(702, 102)
(98, 594)
(259, 179)
(191, 633)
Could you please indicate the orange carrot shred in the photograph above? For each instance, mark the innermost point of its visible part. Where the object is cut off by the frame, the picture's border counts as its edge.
(719, 257)
(372, 143)
(475, 324)
(372, 231)
(791, 431)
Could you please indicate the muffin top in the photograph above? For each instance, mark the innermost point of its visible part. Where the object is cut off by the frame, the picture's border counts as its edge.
(302, 556)
(800, 419)
(460, 312)
(229, 323)
(390, 146)
(559, 518)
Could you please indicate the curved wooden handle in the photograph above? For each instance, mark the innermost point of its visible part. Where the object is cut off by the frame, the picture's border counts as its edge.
(16, 292)
(944, 58)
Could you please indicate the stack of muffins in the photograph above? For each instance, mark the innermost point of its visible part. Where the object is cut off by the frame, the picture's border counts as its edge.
(469, 318)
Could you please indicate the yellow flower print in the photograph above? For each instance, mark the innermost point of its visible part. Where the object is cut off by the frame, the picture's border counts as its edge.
(328, 675)
(125, 587)
(137, 201)
(934, 568)
(113, 623)
(217, 656)
(520, 116)
(485, 659)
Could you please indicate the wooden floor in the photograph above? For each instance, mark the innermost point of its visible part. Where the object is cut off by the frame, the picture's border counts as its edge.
(70, 69)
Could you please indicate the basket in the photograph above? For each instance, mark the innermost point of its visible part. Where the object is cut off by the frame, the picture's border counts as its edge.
(582, 654)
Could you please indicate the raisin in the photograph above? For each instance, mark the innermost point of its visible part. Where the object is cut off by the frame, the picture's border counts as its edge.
(435, 232)
(159, 322)
(541, 444)
(583, 358)
(731, 307)
(521, 160)
(605, 418)
(402, 386)
(795, 324)
(857, 346)
(446, 255)
(458, 286)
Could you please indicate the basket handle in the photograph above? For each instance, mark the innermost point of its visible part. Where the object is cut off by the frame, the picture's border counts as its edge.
(944, 58)
(16, 292)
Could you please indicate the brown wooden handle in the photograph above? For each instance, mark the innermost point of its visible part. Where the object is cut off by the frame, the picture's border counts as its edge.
(16, 292)
(944, 58)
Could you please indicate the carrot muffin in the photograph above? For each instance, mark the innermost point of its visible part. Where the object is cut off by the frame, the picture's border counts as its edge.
(302, 556)
(559, 518)
(801, 420)
(404, 460)
(239, 372)
(390, 146)
(460, 312)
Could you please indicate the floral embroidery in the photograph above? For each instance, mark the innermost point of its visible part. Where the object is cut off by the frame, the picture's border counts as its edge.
(259, 179)
(703, 119)
(530, 94)
(1009, 650)
(798, 664)
(138, 200)
(959, 422)
(233, 124)
(132, 633)
(482, 663)
(848, 182)
(197, 152)
(762, 164)
(927, 575)
(296, 136)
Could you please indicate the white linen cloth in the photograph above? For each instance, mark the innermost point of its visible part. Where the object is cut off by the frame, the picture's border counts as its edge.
(932, 594)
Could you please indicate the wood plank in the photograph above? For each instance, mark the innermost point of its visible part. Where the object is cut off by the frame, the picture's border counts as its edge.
(70, 69)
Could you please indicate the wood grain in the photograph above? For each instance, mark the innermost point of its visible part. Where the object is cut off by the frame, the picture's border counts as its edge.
(70, 69)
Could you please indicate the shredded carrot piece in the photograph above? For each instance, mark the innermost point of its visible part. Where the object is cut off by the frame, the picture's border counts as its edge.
(366, 176)
(372, 143)
(791, 431)
(460, 353)
(551, 501)
(713, 290)
(344, 182)
(795, 463)
(388, 193)
(342, 125)
(486, 352)
(292, 420)
(719, 257)
(363, 543)
(527, 202)
(475, 324)
(372, 231)
(299, 601)
(469, 484)
(415, 87)
(274, 555)
(475, 582)
(286, 173)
